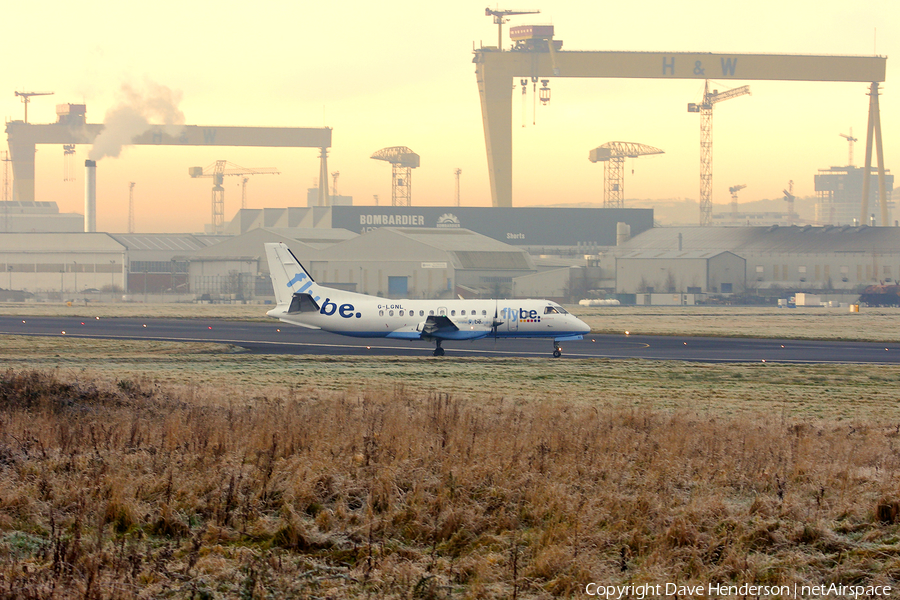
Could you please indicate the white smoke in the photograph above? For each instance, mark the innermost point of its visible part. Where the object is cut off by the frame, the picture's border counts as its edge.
(132, 116)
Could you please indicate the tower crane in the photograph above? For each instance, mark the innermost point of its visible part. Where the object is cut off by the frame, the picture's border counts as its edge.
(334, 180)
(789, 197)
(500, 17)
(26, 98)
(613, 154)
(705, 108)
(850, 139)
(734, 190)
(217, 171)
(403, 161)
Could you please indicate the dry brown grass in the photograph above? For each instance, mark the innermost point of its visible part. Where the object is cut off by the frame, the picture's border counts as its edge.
(141, 486)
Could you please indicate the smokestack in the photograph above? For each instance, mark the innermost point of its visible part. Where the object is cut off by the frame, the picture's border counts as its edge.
(623, 233)
(90, 196)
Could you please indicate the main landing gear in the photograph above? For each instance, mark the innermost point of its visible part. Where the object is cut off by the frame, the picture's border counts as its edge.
(557, 352)
(438, 351)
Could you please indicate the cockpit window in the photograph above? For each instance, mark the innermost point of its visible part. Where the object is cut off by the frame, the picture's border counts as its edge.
(549, 310)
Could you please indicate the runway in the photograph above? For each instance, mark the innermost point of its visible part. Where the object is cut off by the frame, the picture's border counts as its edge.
(279, 338)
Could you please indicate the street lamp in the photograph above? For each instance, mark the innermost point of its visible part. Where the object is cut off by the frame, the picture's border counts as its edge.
(112, 277)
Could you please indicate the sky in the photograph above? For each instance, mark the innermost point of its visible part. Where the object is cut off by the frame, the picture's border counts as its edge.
(401, 74)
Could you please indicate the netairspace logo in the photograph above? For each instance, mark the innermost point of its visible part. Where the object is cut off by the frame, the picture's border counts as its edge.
(673, 590)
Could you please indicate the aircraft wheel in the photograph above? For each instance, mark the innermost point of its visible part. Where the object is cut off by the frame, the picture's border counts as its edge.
(438, 351)
(557, 354)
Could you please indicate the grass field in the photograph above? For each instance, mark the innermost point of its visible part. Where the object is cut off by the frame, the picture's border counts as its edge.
(194, 471)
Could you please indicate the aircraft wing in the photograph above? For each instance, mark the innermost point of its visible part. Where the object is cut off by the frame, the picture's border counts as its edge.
(440, 327)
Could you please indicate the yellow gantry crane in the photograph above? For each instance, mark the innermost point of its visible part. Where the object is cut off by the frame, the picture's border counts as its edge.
(613, 155)
(217, 171)
(705, 108)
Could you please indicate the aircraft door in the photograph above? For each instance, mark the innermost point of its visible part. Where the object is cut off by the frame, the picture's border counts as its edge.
(512, 319)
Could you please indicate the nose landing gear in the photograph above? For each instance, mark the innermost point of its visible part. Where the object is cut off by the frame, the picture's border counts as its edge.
(557, 351)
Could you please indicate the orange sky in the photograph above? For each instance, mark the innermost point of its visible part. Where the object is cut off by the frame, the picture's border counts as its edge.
(401, 74)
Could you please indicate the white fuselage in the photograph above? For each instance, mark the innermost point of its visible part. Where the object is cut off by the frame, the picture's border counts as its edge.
(369, 316)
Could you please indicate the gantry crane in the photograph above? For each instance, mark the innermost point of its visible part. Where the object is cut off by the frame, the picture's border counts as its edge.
(403, 161)
(705, 108)
(613, 155)
(500, 17)
(734, 190)
(217, 171)
(26, 98)
(850, 139)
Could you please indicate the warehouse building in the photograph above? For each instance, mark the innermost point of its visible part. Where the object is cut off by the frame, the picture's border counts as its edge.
(828, 259)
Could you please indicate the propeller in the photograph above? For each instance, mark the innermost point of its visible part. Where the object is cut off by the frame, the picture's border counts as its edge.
(495, 323)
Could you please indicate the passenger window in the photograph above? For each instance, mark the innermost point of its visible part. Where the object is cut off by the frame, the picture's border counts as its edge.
(421, 313)
(391, 313)
(401, 313)
(484, 313)
(452, 313)
(431, 312)
(463, 313)
(380, 313)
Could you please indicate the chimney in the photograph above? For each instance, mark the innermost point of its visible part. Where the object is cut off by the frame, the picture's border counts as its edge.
(90, 196)
(623, 233)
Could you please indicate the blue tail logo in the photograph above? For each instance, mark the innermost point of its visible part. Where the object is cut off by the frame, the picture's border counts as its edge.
(297, 277)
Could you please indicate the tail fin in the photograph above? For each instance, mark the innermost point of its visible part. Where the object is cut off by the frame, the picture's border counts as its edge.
(288, 275)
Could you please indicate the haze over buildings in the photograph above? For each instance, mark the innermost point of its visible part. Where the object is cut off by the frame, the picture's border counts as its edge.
(401, 74)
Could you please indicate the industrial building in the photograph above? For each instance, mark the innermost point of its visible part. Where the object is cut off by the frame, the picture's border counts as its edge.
(540, 230)
(839, 191)
(831, 260)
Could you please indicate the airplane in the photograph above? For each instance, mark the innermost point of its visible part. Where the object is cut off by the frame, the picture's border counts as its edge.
(303, 302)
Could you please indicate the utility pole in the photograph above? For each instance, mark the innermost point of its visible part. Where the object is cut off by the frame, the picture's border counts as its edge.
(457, 172)
(131, 207)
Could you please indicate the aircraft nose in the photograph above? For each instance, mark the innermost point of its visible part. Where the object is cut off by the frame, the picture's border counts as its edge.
(583, 327)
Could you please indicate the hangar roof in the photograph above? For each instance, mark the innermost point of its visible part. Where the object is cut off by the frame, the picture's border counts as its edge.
(59, 243)
(672, 254)
(467, 249)
(774, 239)
(176, 242)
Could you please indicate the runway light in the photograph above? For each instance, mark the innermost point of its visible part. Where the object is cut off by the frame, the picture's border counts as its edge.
(98, 318)
(764, 360)
(64, 333)
(782, 345)
(593, 340)
(145, 325)
(23, 321)
(685, 343)
(368, 347)
(210, 327)
(82, 322)
(627, 332)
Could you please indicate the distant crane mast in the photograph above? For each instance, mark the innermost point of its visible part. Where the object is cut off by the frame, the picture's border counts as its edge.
(26, 98)
(4, 156)
(705, 108)
(131, 207)
(850, 139)
(789, 197)
(734, 190)
(334, 180)
(457, 172)
(500, 17)
(613, 155)
(217, 171)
